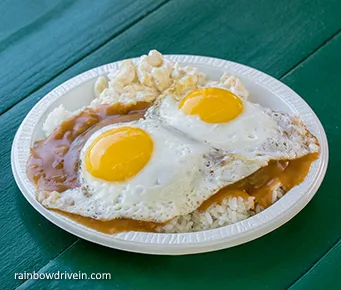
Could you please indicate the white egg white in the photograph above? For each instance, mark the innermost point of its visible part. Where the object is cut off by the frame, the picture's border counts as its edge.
(256, 133)
(191, 161)
(180, 175)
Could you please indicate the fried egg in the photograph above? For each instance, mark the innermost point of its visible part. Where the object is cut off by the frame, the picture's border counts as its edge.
(197, 137)
(144, 171)
(223, 120)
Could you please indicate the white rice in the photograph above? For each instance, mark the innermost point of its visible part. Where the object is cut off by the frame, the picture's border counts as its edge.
(231, 210)
(55, 118)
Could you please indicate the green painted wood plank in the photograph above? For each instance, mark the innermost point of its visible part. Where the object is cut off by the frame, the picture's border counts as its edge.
(12, 22)
(271, 262)
(131, 43)
(325, 274)
(223, 29)
(57, 38)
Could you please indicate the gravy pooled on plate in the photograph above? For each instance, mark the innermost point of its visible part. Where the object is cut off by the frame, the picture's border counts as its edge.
(54, 161)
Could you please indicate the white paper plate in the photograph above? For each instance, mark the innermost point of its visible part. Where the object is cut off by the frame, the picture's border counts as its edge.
(264, 89)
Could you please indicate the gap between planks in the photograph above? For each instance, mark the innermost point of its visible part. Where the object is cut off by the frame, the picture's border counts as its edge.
(292, 285)
(118, 33)
(328, 40)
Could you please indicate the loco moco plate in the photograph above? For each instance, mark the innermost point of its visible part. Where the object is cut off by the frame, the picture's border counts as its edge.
(269, 92)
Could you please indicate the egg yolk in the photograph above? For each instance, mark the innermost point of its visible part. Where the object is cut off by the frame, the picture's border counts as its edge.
(212, 105)
(119, 154)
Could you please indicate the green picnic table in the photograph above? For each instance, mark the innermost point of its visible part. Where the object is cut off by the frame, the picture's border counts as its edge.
(43, 43)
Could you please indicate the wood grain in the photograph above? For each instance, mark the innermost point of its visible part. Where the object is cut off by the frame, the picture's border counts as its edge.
(44, 44)
(15, 25)
(325, 274)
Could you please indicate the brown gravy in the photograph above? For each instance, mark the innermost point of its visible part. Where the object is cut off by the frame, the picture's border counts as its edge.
(260, 184)
(289, 173)
(113, 226)
(53, 166)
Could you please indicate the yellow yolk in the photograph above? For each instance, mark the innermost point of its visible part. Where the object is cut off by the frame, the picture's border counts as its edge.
(212, 105)
(119, 154)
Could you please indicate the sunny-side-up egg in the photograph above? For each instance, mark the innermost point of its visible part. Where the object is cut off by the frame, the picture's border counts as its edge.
(144, 171)
(235, 125)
